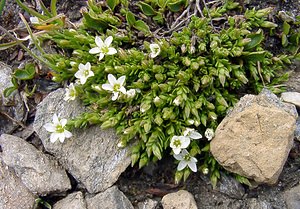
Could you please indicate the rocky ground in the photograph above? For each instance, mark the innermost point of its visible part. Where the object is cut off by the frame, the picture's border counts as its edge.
(89, 172)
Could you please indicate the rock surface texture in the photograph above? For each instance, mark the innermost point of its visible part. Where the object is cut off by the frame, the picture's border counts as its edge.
(91, 155)
(40, 174)
(72, 201)
(292, 198)
(112, 198)
(12, 105)
(13, 193)
(255, 138)
(179, 200)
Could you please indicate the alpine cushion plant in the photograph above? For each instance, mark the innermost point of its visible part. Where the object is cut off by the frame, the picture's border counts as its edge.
(167, 98)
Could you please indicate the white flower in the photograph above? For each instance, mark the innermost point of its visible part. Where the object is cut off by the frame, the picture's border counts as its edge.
(34, 20)
(57, 129)
(103, 47)
(205, 171)
(179, 142)
(71, 93)
(190, 132)
(186, 160)
(84, 72)
(131, 93)
(116, 86)
(209, 134)
(155, 50)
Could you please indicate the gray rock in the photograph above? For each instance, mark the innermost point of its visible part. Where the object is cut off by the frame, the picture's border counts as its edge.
(255, 138)
(254, 203)
(179, 200)
(12, 105)
(231, 187)
(297, 131)
(40, 174)
(13, 194)
(112, 198)
(147, 204)
(292, 198)
(91, 155)
(291, 97)
(72, 201)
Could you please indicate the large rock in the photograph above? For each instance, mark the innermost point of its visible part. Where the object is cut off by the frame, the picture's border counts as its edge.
(291, 97)
(179, 200)
(12, 106)
(292, 198)
(13, 194)
(112, 198)
(39, 173)
(91, 155)
(254, 140)
(72, 201)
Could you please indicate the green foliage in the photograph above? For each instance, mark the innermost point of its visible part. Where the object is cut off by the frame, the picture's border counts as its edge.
(191, 83)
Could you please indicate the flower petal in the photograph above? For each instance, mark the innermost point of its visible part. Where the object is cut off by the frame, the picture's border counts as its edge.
(176, 151)
(83, 80)
(101, 55)
(192, 166)
(63, 122)
(181, 165)
(49, 127)
(111, 79)
(121, 80)
(55, 119)
(61, 137)
(99, 42)
(95, 50)
(87, 66)
(108, 41)
(107, 87)
(185, 141)
(54, 137)
(67, 134)
(111, 51)
(122, 89)
(115, 96)
(195, 135)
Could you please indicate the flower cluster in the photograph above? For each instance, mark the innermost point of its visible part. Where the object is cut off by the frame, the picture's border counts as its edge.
(180, 143)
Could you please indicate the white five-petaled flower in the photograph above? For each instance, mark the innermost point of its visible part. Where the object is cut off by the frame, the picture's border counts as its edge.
(155, 50)
(71, 93)
(179, 142)
(57, 129)
(103, 47)
(116, 86)
(186, 160)
(209, 134)
(192, 133)
(84, 72)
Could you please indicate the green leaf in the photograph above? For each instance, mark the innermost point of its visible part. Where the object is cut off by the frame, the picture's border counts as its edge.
(159, 18)
(130, 18)
(146, 9)
(2, 4)
(175, 6)
(284, 40)
(254, 56)
(156, 151)
(162, 3)
(142, 26)
(112, 4)
(286, 28)
(26, 74)
(5, 46)
(256, 39)
(8, 91)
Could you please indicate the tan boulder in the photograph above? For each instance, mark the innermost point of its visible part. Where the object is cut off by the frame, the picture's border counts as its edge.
(254, 140)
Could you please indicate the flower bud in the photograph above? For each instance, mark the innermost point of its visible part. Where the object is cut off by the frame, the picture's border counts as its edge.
(186, 61)
(268, 24)
(195, 66)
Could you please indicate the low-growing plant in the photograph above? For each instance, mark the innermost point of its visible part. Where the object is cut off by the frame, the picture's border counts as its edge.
(163, 95)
